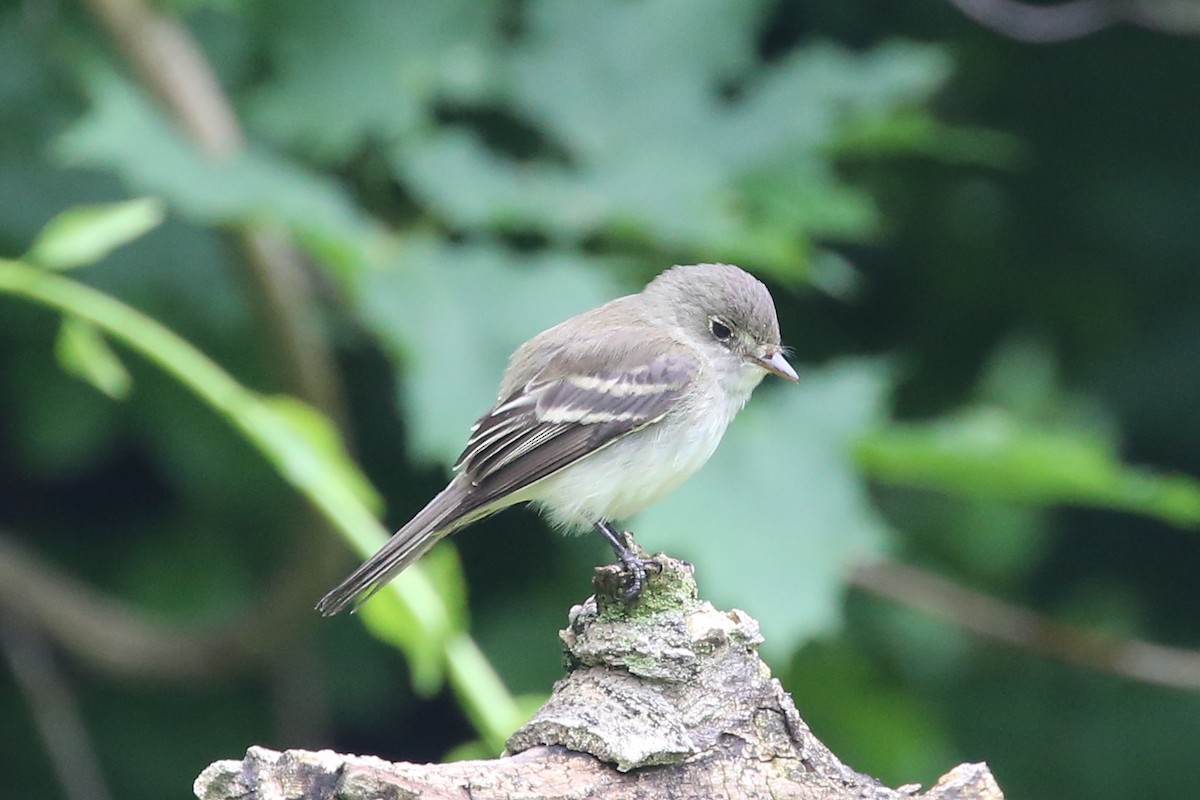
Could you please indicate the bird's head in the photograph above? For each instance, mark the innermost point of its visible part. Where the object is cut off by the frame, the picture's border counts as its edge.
(727, 311)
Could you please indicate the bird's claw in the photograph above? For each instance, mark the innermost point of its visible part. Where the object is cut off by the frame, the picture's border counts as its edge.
(635, 567)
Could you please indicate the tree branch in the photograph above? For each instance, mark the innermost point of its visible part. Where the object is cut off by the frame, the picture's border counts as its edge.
(122, 640)
(667, 698)
(55, 712)
(1075, 19)
(995, 619)
(168, 61)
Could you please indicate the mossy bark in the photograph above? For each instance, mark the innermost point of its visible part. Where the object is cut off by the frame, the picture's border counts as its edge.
(662, 697)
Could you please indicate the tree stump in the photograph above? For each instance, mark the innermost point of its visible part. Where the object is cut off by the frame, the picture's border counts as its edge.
(664, 697)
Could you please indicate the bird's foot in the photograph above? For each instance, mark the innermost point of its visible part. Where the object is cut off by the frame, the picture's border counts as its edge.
(634, 564)
(635, 568)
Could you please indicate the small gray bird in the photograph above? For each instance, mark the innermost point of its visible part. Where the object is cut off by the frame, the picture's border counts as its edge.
(602, 415)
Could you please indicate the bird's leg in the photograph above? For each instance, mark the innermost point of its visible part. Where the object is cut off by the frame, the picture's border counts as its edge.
(626, 551)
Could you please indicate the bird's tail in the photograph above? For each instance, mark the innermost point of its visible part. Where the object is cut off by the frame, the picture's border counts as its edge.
(445, 514)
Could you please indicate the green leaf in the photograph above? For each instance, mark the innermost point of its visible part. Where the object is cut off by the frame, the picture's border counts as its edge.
(86, 234)
(527, 705)
(489, 706)
(125, 133)
(375, 68)
(305, 443)
(649, 151)
(989, 453)
(392, 619)
(452, 316)
(473, 750)
(780, 513)
(82, 351)
(303, 447)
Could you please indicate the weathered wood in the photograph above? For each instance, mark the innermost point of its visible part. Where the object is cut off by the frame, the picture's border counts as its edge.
(666, 697)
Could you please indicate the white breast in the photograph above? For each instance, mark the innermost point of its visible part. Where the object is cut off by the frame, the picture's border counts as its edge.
(633, 473)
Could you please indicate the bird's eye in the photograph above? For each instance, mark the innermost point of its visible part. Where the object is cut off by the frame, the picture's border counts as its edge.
(719, 329)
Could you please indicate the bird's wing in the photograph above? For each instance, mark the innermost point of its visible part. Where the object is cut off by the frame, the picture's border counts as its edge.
(552, 422)
(565, 408)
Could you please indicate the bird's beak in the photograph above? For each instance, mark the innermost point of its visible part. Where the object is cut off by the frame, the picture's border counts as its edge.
(778, 365)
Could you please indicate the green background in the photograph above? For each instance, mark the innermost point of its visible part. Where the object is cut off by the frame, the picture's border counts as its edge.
(984, 254)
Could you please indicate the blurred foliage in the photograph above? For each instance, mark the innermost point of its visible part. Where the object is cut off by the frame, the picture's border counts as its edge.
(787, 438)
(983, 254)
(422, 617)
(86, 234)
(1023, 441)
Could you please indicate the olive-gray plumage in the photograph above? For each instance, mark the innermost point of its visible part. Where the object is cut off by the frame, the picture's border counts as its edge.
(603, 414)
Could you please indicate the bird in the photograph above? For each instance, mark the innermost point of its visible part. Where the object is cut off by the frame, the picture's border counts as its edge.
(602, 415)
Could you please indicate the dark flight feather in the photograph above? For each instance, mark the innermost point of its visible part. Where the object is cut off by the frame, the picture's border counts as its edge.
(543, 427)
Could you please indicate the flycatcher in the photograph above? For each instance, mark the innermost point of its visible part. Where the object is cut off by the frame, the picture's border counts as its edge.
(602, 415)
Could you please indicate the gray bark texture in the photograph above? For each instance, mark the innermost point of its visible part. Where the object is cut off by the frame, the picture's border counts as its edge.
(665, 697)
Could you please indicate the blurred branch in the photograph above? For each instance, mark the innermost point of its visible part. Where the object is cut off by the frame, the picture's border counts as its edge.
(1168, 16)
(122, 640)
(54, 710)
(665, 698)
(994, 619)
(167, 60)
(1078, 18)
(69, 612)
(305, 454)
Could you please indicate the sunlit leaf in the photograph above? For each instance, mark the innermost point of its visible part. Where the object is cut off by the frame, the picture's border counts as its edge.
(86, 234)
(305, 443)
(82, 351)
(528, 704)
(393, 621)
(306, 450)
(986, 452)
